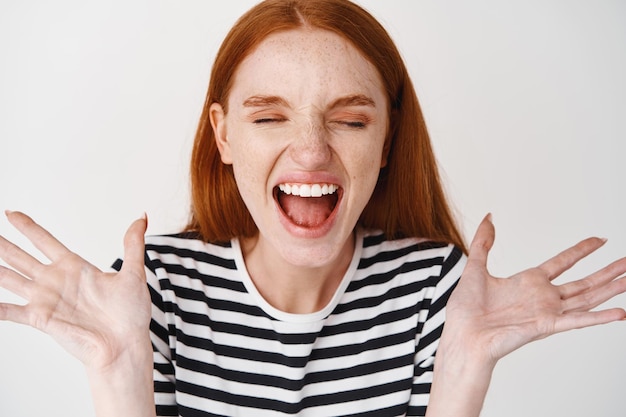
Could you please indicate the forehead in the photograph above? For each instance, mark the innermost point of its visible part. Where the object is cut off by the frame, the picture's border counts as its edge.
(305, 61)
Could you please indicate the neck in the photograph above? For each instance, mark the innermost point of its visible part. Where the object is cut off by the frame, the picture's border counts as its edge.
(294, 288)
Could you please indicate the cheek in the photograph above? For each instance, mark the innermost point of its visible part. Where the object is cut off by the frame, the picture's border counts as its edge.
(251, 166)
(246, 157)
(367, 160)
(248, 174)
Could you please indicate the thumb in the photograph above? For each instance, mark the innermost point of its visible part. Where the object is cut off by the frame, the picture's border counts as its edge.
(134, 244)
(482, 242)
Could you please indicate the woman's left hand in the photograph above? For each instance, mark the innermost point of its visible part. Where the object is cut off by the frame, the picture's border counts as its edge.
(493, 316)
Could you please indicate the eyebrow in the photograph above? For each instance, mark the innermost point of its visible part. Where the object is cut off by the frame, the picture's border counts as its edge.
(347, 101)
(258, 101)
(353, 100)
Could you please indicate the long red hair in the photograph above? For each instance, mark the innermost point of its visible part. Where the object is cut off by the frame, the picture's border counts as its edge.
(408, 199)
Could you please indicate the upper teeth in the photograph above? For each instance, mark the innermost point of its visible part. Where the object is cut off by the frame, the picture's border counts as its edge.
(308, 190)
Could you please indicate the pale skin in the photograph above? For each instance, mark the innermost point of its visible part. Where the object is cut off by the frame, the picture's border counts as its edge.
(102, 318)
(319, 117)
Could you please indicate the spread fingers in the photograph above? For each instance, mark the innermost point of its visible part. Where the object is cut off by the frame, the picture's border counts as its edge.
(601, 277)
(13, 312)
(592, 298)
(40, 237)
(15, 283)
(19, 259)
(565, 260)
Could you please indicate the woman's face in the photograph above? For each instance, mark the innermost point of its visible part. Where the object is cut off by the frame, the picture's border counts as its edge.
(305, 131)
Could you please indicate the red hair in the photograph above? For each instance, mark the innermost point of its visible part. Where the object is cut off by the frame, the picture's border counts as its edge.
(408, 199)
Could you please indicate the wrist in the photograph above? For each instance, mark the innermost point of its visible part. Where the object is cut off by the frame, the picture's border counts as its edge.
(461, 378)
(124, 386)
(136, 351)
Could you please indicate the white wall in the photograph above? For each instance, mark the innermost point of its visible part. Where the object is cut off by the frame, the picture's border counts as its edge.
(526, 104)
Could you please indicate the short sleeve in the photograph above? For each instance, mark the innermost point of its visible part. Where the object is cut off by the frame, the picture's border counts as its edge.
(163, 364)
(162, 345)
(430, 328)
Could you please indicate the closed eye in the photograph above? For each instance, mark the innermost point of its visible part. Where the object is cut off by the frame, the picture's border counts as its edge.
(350, 124)
(356, 125)
(352, 119)
(265, 120)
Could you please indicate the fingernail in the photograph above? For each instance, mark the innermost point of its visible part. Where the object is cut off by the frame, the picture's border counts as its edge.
(603, 239)
(490, 217)
(7, 212)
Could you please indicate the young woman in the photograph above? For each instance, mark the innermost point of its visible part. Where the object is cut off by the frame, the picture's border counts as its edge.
(313, 276)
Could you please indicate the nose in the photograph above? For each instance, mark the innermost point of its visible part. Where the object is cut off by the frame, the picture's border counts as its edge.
(310, 147)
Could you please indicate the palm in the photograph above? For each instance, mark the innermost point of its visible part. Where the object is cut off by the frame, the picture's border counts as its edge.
(92, 314)
(497, 316)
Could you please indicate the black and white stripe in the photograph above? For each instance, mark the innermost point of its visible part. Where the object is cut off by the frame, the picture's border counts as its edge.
(221, 350)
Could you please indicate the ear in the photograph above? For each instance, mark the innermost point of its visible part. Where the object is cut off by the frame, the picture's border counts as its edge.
(218, 123)
(386, 147)
(391, 132)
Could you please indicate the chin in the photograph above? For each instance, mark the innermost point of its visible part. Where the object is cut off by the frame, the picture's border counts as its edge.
(312, 254)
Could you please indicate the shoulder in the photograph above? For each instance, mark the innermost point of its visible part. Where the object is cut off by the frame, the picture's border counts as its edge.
(377, 248)
(416, 263)
(183, 266)
(187, 249)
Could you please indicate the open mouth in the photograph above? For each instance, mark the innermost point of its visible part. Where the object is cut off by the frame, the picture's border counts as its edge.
(307, 205)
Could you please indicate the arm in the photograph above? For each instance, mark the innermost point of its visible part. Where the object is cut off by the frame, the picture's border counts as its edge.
(124, 388)
(488, 318)
(100, 318)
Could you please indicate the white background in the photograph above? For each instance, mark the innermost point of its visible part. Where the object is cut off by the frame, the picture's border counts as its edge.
(526, 105)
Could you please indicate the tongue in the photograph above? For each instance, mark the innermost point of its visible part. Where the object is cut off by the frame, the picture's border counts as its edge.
(307, 211)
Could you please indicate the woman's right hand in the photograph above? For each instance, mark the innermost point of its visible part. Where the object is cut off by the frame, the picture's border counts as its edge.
(97, 317)
(101, 318)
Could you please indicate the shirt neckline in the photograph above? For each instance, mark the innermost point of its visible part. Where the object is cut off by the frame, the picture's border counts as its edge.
(294, 317)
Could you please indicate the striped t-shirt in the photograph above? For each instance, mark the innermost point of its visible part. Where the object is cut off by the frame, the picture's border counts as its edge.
(221, 350)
